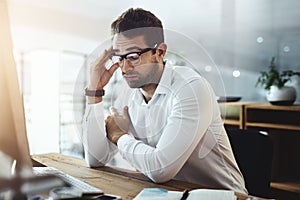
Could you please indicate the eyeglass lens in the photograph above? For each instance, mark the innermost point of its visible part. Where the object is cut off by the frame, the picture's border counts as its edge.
(134, 58)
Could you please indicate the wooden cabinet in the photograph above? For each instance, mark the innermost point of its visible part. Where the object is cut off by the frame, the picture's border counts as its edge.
(245, 115)
(283, 125)
(233, 114)
(269, 116)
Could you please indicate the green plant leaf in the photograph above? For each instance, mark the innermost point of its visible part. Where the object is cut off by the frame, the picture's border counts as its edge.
(274, 77)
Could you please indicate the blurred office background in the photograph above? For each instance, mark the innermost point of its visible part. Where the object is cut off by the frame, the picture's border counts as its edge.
(54, 38)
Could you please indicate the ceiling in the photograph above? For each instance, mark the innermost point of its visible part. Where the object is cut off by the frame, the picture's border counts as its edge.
(80, 25)
(54, 24)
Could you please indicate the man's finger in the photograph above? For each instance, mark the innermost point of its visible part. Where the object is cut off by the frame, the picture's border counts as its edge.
(114, 111)
(108, 118)
(113, 68)
(125, 112)
(103, 58)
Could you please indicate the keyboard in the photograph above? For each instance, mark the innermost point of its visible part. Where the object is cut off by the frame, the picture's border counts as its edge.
(74, 183)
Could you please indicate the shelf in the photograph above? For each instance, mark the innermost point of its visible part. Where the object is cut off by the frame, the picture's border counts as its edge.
(274, 117)
(287, 186)
(267, 106)
(273, 126)
(233, 113)
(261, 115)
(232, 122)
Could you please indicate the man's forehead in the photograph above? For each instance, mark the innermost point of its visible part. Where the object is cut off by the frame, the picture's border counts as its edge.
(122, 43)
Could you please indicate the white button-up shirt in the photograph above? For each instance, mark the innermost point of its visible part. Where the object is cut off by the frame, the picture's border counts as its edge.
(179, 134)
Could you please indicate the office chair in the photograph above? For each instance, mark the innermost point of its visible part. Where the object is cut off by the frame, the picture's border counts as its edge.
(253, 152)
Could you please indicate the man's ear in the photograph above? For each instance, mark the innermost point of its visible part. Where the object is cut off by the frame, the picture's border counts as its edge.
(161, 50)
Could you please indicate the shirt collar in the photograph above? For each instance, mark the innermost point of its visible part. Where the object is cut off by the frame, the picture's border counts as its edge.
(163, 85)
(165, 80)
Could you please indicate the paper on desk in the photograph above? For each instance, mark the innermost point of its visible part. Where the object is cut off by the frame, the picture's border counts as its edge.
(207, 194)
(157, 193)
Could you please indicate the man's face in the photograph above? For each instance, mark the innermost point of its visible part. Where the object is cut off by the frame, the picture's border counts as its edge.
(142, 71)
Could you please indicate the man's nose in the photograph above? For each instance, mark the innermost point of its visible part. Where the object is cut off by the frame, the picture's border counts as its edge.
(126, 66)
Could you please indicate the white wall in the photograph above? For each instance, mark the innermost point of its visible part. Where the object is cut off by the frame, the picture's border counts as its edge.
(227, 30)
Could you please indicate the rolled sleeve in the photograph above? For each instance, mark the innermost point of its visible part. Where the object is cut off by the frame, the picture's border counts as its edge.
(98, 149)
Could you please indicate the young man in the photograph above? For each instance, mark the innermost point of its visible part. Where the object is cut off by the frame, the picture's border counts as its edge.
(171, 125)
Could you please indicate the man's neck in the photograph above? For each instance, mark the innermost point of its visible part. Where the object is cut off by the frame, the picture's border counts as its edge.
(148, 91)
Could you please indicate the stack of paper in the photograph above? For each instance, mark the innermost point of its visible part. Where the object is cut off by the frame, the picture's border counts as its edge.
(207, 194)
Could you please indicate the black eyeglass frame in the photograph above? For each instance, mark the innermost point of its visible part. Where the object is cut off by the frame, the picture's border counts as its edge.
(139, 53)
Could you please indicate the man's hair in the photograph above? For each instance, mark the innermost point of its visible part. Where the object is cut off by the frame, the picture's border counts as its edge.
(136, 22)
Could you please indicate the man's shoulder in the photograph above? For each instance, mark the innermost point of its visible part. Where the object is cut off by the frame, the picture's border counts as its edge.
(183, 81)
(186, 72)
(183, 75)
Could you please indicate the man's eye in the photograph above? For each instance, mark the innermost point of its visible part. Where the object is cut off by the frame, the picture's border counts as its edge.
(132, 56)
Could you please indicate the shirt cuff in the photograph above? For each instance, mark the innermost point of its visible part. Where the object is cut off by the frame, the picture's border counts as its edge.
(95, 105)
(96, 108)
(123, 141)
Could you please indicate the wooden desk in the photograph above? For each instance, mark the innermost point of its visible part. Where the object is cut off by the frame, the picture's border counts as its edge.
(124, 183)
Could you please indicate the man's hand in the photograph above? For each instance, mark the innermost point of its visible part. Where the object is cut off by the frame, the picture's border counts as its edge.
(99, 75)
(117, 125)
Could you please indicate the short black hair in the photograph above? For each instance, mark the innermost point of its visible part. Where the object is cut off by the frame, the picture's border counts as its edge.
(136, 22)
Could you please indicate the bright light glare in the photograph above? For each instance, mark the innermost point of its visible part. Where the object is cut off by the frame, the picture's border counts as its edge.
(236, 73)
(286, 49)
(260, 40)
(208, 68)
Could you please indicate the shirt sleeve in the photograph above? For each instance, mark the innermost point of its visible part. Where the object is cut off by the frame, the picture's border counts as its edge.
(191, 115)
(98, 149)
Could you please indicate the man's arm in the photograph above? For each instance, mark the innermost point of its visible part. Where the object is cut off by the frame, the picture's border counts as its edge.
(98, 149)
(190, 117)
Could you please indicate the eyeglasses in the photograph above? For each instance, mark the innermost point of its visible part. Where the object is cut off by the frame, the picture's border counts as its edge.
(133, 57)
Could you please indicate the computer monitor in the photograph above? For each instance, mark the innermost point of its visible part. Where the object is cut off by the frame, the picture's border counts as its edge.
(15, 182)
(13, 137)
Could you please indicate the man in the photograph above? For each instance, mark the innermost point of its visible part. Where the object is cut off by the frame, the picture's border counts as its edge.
(171, 125)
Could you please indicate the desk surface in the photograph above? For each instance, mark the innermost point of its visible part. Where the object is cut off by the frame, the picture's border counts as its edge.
(124, 183)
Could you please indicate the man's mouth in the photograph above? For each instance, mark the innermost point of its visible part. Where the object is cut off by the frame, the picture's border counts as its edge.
(130, 77)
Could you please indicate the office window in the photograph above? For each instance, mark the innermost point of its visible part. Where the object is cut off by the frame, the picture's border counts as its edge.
(72, 80)
(53, 107)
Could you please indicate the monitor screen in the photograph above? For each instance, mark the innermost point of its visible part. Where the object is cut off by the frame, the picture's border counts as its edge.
(13, 138)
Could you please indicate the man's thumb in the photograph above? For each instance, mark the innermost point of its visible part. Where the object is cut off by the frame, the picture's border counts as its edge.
(125, 112)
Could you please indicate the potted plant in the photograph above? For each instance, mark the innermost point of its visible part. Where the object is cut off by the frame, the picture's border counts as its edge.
(274, 82)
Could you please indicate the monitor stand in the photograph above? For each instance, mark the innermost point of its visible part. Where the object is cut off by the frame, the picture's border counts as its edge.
(19, 187)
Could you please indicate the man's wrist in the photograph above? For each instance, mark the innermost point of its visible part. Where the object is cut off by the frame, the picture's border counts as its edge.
(116, 138)
(94, 100)
(94, 93)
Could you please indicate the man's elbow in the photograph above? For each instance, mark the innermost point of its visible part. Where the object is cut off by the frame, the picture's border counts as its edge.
(93, 165)
(92, 162)
(161, 177)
